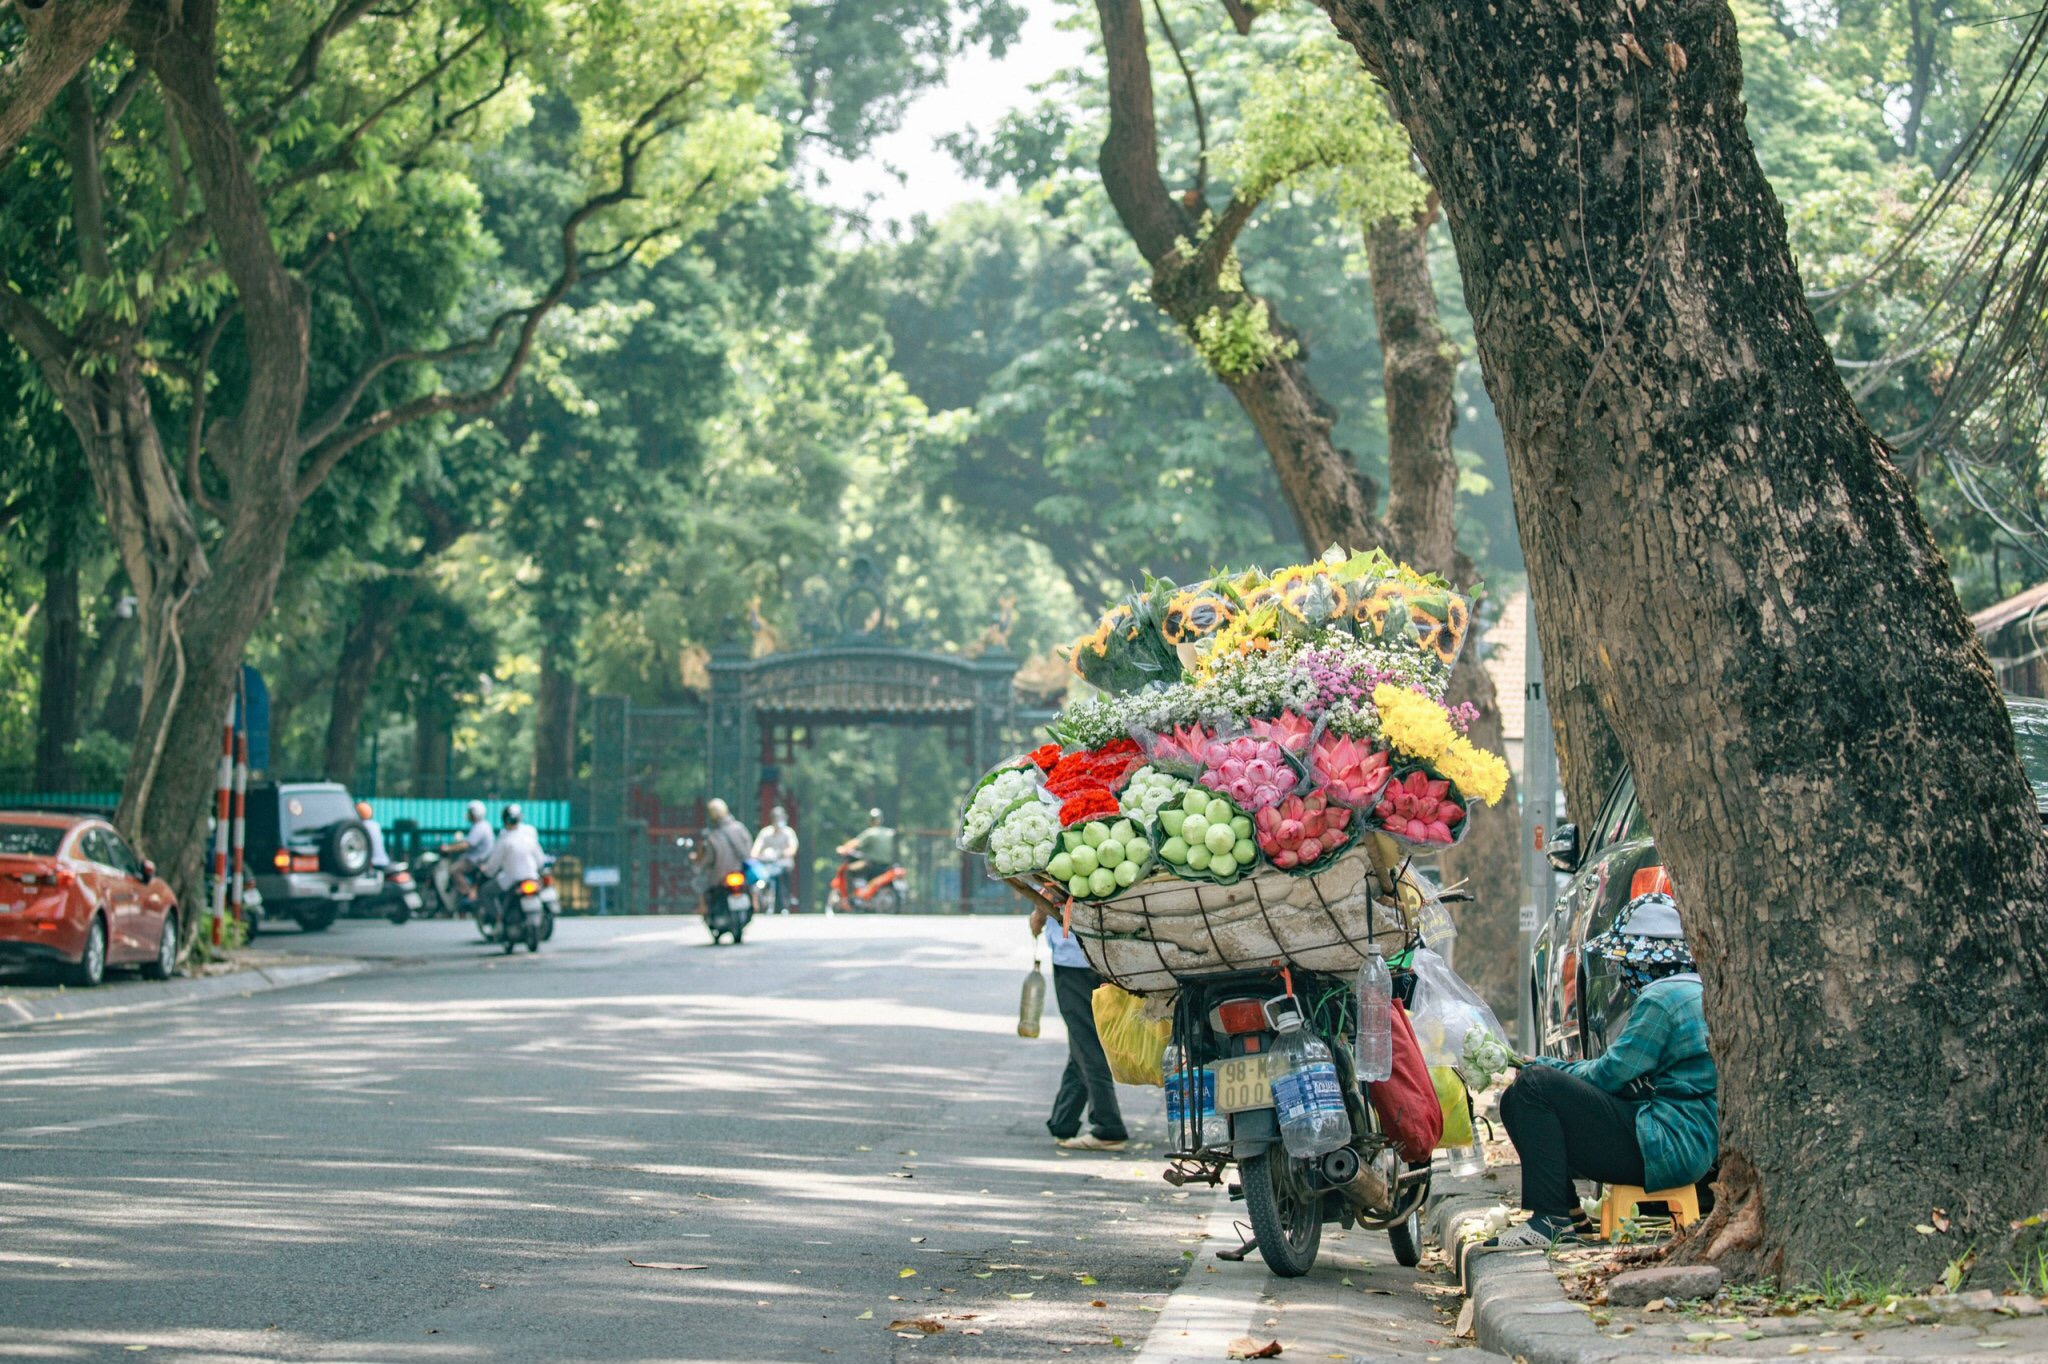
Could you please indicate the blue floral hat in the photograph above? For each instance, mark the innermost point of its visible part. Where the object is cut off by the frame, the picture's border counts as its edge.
(1646, 934)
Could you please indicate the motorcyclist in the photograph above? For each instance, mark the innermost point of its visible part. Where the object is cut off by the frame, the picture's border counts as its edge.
(871, 852)
(775, 849)
(470, 850)
(727, 844)
(515, 855)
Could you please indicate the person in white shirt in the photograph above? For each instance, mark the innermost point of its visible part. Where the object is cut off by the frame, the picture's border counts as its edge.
(515, 855)
(775, 849)
(470, 851)
(379, 858)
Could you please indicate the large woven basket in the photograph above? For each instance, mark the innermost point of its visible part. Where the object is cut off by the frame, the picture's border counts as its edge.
(1158, 931)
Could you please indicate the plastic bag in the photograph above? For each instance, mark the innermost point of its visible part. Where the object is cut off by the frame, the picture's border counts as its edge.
(1125, 650)
(1456, 1104)
(1446, 1009)
(1134, 1045)
(1406, 1101)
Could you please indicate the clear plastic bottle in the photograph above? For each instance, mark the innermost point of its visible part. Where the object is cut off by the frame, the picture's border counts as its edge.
(1031, 1004)
(1375, 1018)
(1307, 1093)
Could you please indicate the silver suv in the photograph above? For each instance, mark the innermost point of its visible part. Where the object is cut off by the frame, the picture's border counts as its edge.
(309, 854)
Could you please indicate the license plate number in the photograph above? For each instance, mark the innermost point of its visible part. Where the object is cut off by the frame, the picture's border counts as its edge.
(1246, 1082)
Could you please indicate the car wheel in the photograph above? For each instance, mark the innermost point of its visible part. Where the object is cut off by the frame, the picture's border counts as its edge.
(91, 967)
(166, 963)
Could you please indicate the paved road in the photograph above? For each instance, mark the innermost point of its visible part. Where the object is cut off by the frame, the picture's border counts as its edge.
(456, 1158)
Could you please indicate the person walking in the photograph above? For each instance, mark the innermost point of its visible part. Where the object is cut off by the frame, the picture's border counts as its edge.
(1086, 1084)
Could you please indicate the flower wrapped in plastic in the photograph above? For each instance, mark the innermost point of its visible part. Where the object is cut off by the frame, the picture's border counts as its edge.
(1304, 834)
(1125, 650)
(1100, 768)
(992, 798)
(1206, 838)
(1023, 841)
(1420, 809)
(1254, 772)
(1147, 791)
(1351, 772)
(1101, 858)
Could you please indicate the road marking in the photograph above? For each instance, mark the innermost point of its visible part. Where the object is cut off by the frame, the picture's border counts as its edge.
(117, 1120)
(1207, 1311)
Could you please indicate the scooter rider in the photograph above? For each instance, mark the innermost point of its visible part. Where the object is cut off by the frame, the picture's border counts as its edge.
(873, 850)
(775, 848)
(470, 851)
(726, 841)
(516, 854)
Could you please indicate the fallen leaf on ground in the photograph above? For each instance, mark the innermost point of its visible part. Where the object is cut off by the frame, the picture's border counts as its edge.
(971, 1331)
(901, 1174)
(917, 1240)
(1098, 1303)
(868, 1315)
(906, 1273)
(655, 1264)
(1465, 1317)
(1940, 1219)
(1086, 1281)
(1020, 1296)
(924, 1324)
(1244, 1347)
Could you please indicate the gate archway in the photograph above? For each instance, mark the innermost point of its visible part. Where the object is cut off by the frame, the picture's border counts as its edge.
(759, 706)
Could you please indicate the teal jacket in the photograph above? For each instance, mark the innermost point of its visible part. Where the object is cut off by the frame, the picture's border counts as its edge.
(1665, 1043)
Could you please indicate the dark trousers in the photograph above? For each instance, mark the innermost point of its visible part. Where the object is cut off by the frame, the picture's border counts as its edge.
(1087, 1082)
(1564, 1128)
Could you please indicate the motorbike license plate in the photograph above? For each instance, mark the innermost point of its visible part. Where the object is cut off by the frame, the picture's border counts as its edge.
(1246, 1082)
(739, 901)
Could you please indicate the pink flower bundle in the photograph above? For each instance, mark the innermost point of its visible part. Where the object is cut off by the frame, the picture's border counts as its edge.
(1253, 772)
(1301, 831)
(1348, 771)
(1286, 729)
(1420, 808)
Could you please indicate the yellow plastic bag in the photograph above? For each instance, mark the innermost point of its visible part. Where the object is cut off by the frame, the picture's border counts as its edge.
(1456, 1104)
(1135, 1047)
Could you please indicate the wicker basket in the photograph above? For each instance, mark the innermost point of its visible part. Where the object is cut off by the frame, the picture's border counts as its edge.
(1159, 930)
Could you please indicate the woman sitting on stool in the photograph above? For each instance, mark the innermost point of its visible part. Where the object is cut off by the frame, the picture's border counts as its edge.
(1644, 1112)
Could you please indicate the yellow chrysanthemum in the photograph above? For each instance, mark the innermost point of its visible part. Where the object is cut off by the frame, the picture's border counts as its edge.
(1478, 774)
(1412, 723)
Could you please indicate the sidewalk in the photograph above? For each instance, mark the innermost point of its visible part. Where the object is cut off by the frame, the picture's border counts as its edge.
(252, 971)
(1567, 1308)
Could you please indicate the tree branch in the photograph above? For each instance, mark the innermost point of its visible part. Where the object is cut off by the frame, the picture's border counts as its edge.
(125, 91)
(88, 194)
(61, 39)
(1194, 98)
(306, 69)
(195, 431)
(342, 155)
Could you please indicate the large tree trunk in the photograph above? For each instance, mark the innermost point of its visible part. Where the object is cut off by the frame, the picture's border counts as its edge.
(1420, 368)
(554, 726)
(381, 606)
(57, 698)
(1723, 550)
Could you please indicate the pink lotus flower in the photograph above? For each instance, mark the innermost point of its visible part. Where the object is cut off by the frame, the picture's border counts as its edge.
(1251, 771)
(1182, 748)
(1349, 772)
(1301, 830)
(1418, 808)
(1286, 729)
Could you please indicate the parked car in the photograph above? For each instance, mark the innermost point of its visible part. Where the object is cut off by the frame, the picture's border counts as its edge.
(307, 852)
(74, 896)
(1580, 1005)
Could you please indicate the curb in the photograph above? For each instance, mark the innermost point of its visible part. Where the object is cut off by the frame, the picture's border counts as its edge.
(18, 1013)
(1519, 1309)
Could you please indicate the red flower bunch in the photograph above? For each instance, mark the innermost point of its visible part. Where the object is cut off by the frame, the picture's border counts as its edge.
(1045, 757)
(1098, 769)
(1092, 803)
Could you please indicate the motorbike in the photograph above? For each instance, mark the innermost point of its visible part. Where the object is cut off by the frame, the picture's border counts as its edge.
(525, 913)
(399, 898)
(867, 889)
(434, 877)
(731, 905)
(1221, 1112)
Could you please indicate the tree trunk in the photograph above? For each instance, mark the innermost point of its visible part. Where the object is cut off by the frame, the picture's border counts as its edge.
(57, 697)
(1420, 368)
(381, 606)
(1727, 555)
(554, 727)
(1332, 500)
(61, 39)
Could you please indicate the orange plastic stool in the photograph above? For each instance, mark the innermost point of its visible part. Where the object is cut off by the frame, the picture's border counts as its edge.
(1620, 1202)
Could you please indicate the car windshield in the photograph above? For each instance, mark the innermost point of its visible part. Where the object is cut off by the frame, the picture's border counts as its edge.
(2030, 728)
(314, 811)
(30, 840)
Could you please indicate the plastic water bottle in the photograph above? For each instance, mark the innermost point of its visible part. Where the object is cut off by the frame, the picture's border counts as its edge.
(1311, 1102)
(1375, 1018)
(1031, 1004)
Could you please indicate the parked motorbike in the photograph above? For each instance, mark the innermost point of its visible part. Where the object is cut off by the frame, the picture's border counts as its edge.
(883, 890)
(1227, 1050)
(731, 905)
(523, 914)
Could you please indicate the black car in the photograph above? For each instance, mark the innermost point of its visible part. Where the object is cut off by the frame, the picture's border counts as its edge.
(308, 853)
(1581, 1005)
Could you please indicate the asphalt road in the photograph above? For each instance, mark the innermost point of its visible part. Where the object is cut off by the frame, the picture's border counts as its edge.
(457, 1158)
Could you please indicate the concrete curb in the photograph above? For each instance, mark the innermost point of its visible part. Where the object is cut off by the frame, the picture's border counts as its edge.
(1519, 1309)
(80, 1006)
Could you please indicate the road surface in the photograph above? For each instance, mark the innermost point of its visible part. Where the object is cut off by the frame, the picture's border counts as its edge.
(459, 1155)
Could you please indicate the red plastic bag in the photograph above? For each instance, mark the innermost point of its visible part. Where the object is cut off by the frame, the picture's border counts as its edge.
(1406, 1102)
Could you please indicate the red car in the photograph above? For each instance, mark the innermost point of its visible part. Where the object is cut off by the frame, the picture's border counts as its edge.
(74, 895)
